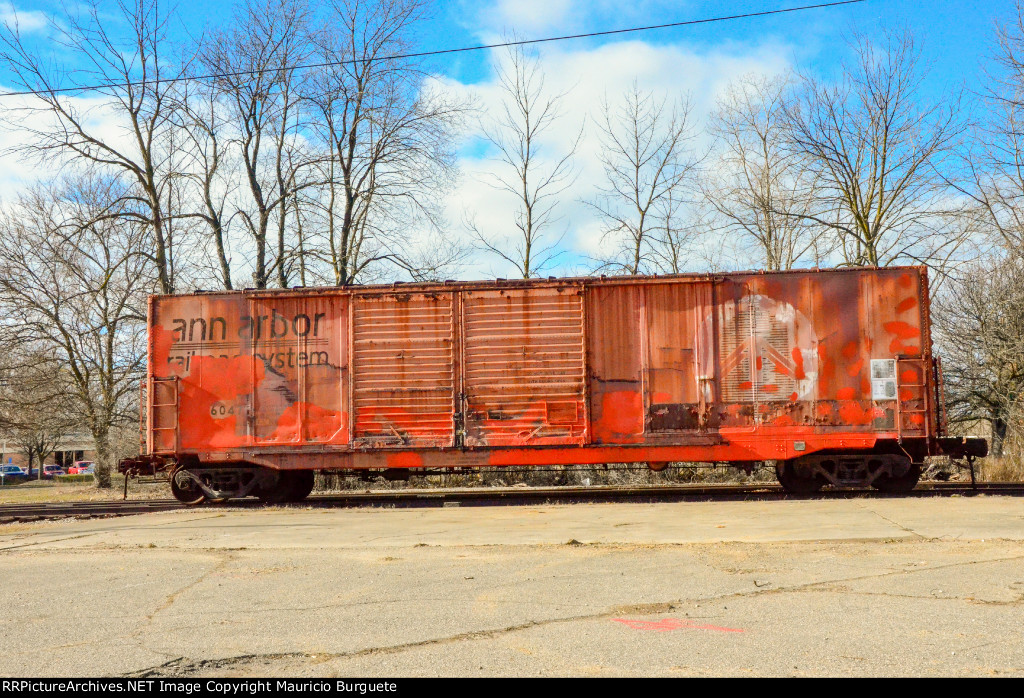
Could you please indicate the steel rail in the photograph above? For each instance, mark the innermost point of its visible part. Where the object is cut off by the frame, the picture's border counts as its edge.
(490, 496)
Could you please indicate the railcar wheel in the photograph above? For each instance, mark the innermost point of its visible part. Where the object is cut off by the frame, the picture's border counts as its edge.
(900, 483)
(301, 485)
(796, 482)
(278, 492)
(185, 490)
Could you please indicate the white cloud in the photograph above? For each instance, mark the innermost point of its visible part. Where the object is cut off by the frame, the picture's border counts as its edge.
(17, 169)
(527, 16)
(26, 21)
(669, 71)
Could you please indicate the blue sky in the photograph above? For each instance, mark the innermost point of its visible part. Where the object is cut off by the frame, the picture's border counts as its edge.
(956, 36)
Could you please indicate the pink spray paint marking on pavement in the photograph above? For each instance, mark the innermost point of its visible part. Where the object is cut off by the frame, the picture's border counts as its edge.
(667, 624)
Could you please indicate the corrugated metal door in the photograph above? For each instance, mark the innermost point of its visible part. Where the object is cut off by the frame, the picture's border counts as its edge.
(403, 387)
(523, 359)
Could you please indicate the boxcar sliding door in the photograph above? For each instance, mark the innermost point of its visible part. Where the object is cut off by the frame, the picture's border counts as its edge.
(523, 366)
(403, 381)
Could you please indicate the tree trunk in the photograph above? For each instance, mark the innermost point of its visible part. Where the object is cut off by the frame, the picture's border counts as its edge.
(103, 458)
(999, 428)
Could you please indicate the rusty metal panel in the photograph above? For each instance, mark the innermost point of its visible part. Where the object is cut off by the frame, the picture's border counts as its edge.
(524, 364)
(797, 349)
(301, 356)
(250, 370)
(200, 342)
(674, 369)
(614, 350)
(767, 352)
(403, 370)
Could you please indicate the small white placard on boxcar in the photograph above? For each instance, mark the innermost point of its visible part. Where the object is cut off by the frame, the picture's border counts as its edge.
(883, 379)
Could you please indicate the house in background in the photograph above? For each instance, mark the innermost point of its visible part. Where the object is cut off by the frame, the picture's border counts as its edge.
(73, 447)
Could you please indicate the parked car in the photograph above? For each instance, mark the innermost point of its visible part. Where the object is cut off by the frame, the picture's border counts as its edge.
(12, 473)
(81, 467)
(49, 471)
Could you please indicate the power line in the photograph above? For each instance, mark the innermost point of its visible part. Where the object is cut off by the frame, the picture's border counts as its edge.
(440, 52)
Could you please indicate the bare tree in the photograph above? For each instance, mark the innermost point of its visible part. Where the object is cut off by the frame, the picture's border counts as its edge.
(75, 274)
(36, 408)
(211, 166)
(876, 146)
(761, 188)
(385, 132)
(258, 83)
(130, 75)
(994, 162)
(527, 115)
(648, 160)
(979, 324)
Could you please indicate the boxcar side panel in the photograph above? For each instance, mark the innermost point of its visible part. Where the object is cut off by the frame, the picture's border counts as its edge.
(671, 386)
(895, 374)
(614, 360)
(300, 369)
(201, 361)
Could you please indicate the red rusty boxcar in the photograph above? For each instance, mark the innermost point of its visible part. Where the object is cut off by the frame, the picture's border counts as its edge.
(827, 373)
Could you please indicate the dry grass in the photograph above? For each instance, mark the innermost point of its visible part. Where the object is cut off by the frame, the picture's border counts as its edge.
(49, 491)
(1003, 469)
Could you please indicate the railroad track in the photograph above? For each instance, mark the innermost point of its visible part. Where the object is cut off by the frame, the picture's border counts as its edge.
(35, 512)
(479, 496)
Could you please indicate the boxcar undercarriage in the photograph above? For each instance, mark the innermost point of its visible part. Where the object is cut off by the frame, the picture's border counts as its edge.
(888, 466)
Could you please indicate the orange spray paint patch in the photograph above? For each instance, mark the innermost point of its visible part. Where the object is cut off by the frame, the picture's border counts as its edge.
(853, 413)
(621, 417)
(798, 364)
(902, 329)
(321, 424)
(209, 414)
(855, 368)
(906, 304)
(667, 624)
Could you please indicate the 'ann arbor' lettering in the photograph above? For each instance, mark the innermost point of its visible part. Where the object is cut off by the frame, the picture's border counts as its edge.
(269, 336)
(273, 326)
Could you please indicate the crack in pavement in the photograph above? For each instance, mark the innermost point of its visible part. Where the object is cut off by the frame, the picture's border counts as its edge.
(863, 505)
(226, 559)
(185, 666)
(919, 597)
(52, 540)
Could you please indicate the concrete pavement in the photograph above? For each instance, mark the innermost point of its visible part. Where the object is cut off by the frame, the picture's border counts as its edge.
(875, 586)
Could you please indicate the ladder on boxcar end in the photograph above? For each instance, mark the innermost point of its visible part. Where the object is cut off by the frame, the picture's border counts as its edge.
(164, 397)
(920, 393)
